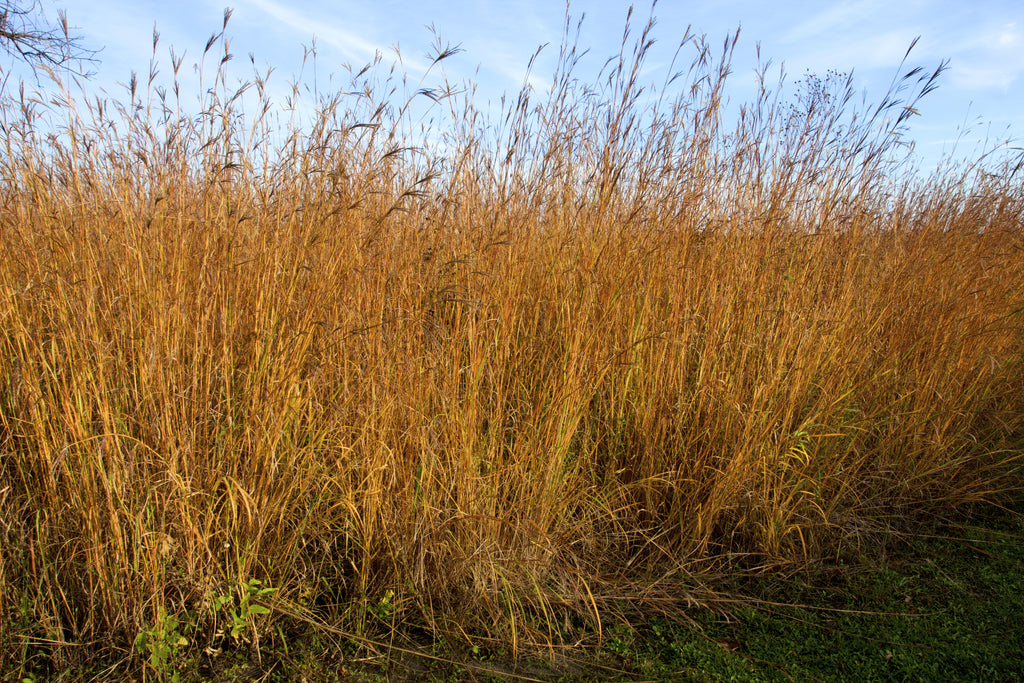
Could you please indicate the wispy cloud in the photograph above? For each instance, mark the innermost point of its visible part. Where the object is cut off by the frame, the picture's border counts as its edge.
(835, 21)
(348, 43)
(992, 58)
(860, 35)
(874, 51)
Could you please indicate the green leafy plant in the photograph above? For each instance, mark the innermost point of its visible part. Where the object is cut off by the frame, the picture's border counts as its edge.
(384, 608)
(162, 642)
(240, 611)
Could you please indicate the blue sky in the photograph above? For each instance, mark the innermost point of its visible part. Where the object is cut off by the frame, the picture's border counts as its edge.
(981, 95)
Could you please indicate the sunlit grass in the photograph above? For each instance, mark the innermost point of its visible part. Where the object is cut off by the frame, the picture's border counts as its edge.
(587, 346)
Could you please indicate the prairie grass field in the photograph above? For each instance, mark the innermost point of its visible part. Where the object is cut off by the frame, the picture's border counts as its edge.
(510, 377)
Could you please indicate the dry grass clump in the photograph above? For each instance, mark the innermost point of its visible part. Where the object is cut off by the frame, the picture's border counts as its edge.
(487, 375)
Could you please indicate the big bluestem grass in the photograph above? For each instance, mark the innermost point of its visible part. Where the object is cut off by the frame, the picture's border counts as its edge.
(490, 375)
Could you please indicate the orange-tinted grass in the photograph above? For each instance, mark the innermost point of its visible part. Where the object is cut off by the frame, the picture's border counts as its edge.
(488, 380)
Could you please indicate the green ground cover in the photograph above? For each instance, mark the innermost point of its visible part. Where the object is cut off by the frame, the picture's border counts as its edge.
(940, 607)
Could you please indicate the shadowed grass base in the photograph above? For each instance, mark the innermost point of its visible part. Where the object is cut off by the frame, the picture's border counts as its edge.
(944, 604)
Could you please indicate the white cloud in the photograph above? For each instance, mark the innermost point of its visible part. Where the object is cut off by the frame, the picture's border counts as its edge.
(978, 77)
(834, 21)
(348, 43)
(993, 57)
(870, 51)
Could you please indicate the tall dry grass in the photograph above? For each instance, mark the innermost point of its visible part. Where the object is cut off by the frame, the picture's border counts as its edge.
(483, 376)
